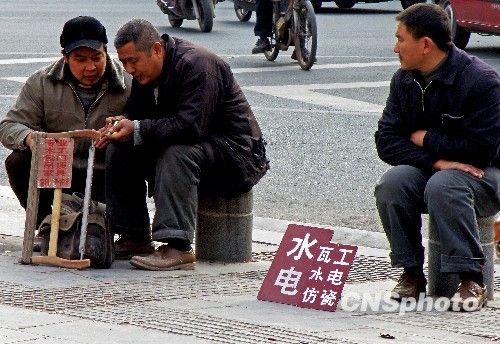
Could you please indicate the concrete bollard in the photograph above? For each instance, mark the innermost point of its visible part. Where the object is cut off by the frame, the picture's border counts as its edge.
(224, 228)
(446, 284)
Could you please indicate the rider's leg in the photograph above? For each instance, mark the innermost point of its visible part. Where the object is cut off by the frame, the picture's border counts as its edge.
(263, 25)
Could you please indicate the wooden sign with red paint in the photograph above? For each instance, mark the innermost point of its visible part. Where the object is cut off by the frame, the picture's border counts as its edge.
(55, 165)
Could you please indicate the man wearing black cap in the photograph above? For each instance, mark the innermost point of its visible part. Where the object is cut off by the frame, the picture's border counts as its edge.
(78, 91)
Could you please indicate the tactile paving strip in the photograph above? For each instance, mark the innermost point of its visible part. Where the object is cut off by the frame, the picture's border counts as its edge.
(484, 324)
(136, 302)
(129, 292)
(364, 268)
(208, 327)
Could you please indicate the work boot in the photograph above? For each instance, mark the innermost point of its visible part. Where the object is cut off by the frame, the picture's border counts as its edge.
(165, 258)
(127, 247)
(262, 45)
(470, 297)
(409, 286)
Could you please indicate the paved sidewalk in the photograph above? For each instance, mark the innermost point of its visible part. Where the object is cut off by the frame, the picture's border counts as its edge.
(215, 303)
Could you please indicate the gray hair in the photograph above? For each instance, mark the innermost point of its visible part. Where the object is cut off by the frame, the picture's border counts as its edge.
(140, 32)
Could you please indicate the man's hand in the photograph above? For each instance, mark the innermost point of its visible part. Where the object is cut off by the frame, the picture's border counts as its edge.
(117, 128)
(417, 137)
(28, 141)
(454, 165)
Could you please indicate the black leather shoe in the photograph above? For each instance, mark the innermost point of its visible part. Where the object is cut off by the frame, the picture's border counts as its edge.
(261, 46)
(409, 286)
(126, 248)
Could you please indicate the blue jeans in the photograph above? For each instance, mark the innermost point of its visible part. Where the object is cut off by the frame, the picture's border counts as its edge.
(173, 174)
(453, 199)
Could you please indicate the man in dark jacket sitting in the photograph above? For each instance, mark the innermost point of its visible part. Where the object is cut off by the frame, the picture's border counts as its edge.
(440, 130)
(187, 120)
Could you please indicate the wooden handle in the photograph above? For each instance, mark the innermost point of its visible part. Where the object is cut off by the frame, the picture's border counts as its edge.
(54, 223)
(63, 263)
(90, 133)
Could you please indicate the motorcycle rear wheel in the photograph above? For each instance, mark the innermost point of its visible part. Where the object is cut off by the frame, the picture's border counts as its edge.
(306, 35)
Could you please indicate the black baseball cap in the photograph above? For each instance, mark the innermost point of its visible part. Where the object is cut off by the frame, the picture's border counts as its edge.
(82, 31)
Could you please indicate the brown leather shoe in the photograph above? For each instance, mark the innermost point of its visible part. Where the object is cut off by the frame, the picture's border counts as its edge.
(126, 248)
(165, 258)
(409, 286)
(469, 297)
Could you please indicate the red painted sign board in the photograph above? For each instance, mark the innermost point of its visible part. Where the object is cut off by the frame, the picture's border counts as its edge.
(55, 164)
(309, 270)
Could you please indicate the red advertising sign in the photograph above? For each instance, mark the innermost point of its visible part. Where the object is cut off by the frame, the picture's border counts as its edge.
(55, 165)
(308, 270)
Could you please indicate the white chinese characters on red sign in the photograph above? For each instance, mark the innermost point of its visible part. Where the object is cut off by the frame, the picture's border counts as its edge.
(308, 270)
(55, 165)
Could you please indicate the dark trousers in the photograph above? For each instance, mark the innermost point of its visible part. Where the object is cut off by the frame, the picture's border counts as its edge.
(264, 18)
(453, 199)
(176, 172)
(18, 165)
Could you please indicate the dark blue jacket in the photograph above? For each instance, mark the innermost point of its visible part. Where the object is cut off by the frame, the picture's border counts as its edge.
(460, 109)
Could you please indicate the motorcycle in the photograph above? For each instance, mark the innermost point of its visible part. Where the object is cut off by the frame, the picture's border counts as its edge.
(294, 24)
(201, 10)
(244, 9)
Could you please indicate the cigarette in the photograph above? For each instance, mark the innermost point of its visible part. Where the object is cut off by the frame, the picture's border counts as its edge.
(111, 132)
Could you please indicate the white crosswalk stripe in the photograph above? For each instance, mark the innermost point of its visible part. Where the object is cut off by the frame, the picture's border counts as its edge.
(303, 93)
(306, 94)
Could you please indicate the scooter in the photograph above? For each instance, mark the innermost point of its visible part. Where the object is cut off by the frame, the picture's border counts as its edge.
(201, 10)
(244, 9)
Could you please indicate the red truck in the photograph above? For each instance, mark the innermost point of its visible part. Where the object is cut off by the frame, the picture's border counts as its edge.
(480, 16)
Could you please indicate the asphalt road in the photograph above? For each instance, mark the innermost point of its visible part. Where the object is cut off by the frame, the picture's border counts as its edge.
(319, 124)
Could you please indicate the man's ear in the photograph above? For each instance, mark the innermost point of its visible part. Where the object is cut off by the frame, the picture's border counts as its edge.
(429, 45)
(64, 55)
(157, 48)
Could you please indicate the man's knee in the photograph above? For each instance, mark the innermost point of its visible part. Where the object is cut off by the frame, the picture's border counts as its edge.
(396, 180)
(18, 161)
(444, 187)
(182, 157)
(116, 151)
